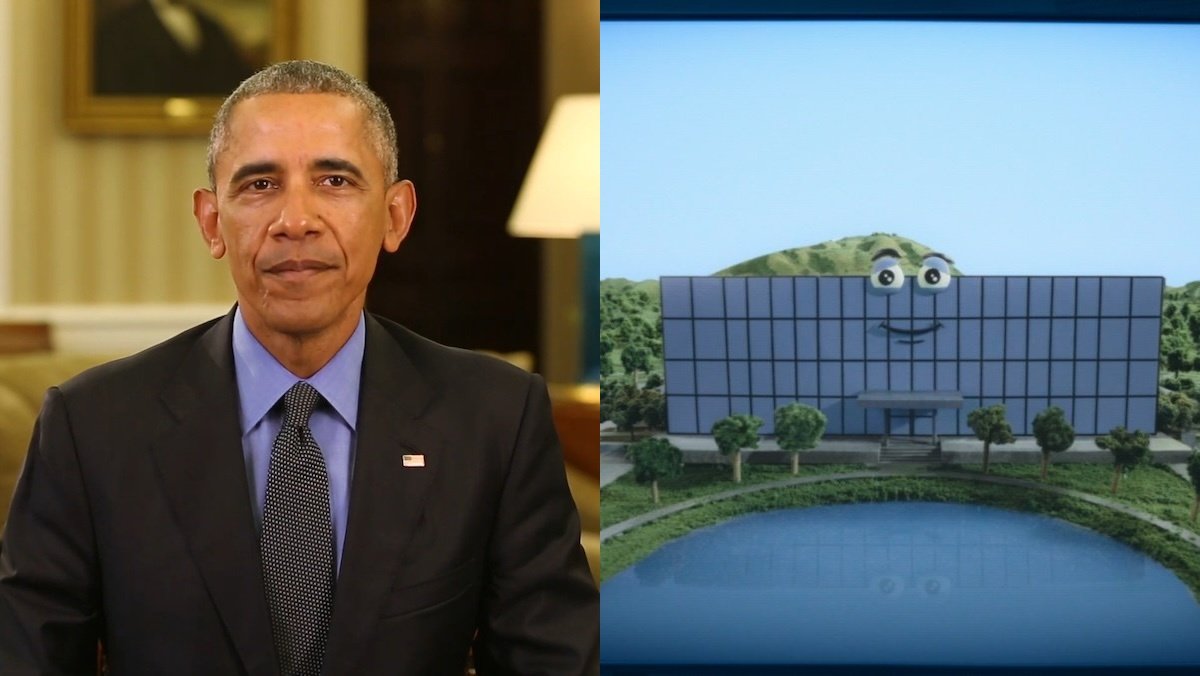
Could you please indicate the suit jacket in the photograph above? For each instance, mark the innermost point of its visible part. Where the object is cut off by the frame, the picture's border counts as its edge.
(132, 523)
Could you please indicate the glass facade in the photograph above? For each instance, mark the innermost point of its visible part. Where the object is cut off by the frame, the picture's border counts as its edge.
(752, 344)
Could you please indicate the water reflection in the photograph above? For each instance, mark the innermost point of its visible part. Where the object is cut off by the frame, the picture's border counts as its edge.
(918, 583)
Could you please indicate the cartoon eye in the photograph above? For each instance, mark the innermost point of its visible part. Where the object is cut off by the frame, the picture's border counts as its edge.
(887, 276)
(934, 275)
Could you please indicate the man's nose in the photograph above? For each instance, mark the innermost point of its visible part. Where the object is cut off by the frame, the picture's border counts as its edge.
(298, 216)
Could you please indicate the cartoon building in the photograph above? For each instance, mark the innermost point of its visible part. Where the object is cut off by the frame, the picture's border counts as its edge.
(945, 345)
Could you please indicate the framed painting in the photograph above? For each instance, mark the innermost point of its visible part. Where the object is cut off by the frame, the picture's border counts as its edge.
(153, 67)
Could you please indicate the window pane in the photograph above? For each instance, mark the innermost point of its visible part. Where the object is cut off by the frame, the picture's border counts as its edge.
(782, 303)
(785, 378)
(1087, 338)
(681, 415)
(993, 296)
(1087, 296)
(676, 296)
(1064, 296)
(831, 379)
(829, 292)
(759, 290)
(737, 338)
(712, 378)
(805, 289)
(1039, 338)
(806, 337)
(735, 297)
(1112, 378)
(712, 409)
(677, 338)
(1018, 289)
(1038, 380)
(1147, 297)
(830, 339)
(760, 339)
(1114, 338)
(710, 339)
(853, 290)
(762, 378)
(1114, 296)
(1039, 296)
(1062, 339)
(1144, 337)
(708, 297)
(1015, 336)
(680, 377)
(739, 377)
(784, 343)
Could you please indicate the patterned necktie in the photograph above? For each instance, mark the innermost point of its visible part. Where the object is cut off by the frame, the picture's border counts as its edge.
(297, 540)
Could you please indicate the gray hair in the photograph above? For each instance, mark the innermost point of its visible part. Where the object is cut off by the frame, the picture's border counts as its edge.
(310, 77)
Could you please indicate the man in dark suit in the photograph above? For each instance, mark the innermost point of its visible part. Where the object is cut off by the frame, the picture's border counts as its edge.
(297, 487)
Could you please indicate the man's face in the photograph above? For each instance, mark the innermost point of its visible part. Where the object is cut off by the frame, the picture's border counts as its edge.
(302, 208)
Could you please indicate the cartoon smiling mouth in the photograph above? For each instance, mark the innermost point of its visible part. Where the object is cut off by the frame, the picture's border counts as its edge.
(910, 335)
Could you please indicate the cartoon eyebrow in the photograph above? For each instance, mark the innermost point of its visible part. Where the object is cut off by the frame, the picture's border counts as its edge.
(934, 254)
(885, 252)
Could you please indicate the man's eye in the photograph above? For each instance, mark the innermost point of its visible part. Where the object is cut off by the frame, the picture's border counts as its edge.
(260, 184)
(336, 181)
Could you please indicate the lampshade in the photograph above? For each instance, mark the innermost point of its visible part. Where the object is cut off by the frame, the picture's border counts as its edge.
(560, 196)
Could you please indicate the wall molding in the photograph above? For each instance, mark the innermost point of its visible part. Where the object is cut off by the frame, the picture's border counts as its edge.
(112, 329)
(6, 99)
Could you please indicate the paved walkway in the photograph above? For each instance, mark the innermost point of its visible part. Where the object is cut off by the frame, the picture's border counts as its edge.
(899, 470)
(613, 464)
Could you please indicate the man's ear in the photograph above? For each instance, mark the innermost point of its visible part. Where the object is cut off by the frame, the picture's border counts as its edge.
(204, 208)
(401, 206)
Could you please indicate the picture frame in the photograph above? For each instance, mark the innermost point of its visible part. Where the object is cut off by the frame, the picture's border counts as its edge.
(149, 67)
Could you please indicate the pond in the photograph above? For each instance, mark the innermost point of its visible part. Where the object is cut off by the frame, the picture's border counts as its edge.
(906, 583)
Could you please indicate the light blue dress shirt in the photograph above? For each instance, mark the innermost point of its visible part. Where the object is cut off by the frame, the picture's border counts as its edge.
(262, 382)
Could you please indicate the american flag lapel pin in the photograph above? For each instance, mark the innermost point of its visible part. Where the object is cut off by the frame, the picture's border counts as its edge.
(413, 460)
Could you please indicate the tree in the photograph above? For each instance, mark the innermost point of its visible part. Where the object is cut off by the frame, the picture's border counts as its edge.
(1194, 472)
(991, 427)
(1177, 411)
(654, 459)
(1053, 433)
(654, 409)
(635, 358)
(733, 433)
(1176, 351)
(619, 402)
(653, 380)
(798, 427)
(1129, 449)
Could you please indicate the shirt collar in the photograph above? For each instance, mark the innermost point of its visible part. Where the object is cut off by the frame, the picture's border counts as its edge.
(262, 380)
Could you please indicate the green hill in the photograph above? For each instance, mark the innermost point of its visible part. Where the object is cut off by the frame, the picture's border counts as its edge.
(846, 256)
(1189, 291)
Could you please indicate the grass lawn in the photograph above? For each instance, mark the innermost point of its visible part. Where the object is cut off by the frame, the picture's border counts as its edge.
(624, 498)
(1151, 488)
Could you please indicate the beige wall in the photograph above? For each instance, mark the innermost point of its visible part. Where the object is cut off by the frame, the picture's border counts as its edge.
(107, 220)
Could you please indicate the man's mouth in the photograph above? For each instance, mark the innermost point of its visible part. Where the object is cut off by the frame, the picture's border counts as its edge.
(298, 268)
(910, 335)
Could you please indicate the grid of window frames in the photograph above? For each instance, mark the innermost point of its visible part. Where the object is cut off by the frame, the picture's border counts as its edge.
(1089, 345)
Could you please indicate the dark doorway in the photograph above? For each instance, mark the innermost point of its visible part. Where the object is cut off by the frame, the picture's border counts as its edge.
(462, 79)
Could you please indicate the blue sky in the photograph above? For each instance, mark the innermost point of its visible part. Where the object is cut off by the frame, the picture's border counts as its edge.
(1013, 148)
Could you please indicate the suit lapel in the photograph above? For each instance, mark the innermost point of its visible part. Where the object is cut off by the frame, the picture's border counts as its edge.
(386, 498)
(203, 472)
